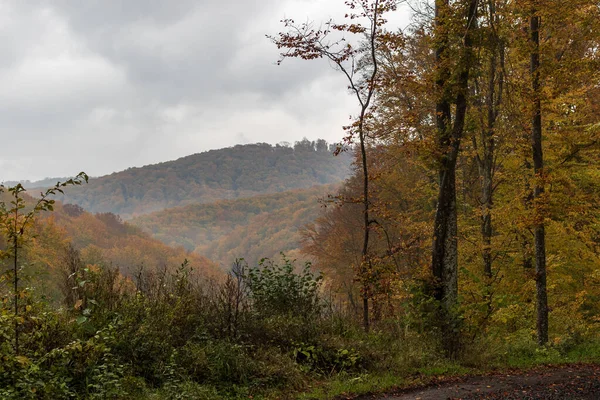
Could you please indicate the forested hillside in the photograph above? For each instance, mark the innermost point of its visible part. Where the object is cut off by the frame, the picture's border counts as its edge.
(240, 171)
(120, 243)
(249, 228)
(101, 241)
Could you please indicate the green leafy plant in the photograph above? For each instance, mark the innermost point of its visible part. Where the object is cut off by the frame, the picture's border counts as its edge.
(279, 290)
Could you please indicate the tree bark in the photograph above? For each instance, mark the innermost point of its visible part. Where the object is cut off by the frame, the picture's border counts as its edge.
(538, 191)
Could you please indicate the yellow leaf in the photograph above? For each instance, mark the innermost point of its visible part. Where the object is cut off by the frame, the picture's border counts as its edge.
(22, 360)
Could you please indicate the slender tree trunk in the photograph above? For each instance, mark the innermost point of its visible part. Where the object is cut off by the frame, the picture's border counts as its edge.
(446, 201)
(525, 249)
(486, 223)
(365, 103)
(445, 247)
(16, 285)
(538, 191)
(487, 161)
(487, 167)
(527, 200)
(365, 249)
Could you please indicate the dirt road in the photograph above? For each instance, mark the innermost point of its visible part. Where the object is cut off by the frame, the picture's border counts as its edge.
(571, 382)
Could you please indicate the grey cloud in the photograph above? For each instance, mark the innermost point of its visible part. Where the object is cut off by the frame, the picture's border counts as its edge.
(196, 50)
(101, 85)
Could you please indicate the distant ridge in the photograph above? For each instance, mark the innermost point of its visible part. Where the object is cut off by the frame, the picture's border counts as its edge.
(43, 183)
(230, 173)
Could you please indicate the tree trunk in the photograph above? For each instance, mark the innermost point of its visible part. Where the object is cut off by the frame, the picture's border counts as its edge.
(487, 170)
(446, 200)
(538, 166)
(487, 163)
(445, 250)
(16, 283)
(365, 249)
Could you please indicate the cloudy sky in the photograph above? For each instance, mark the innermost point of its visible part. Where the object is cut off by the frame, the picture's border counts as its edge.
(103, 85)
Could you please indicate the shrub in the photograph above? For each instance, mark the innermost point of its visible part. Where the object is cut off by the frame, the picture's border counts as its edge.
(278, 290)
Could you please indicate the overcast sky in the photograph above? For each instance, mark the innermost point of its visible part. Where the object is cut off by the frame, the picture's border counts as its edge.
(103, 85)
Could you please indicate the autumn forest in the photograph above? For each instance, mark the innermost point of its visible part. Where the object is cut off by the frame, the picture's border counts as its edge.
(454, 229)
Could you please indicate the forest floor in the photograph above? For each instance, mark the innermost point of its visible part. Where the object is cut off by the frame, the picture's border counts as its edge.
(565, 382)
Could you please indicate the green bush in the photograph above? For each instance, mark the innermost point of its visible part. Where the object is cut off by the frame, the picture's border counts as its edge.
(278, 290)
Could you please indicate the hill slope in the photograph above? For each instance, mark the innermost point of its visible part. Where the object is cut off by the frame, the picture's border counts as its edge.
(102, 240)
(121, 243)
(249, 228)
(236, 172)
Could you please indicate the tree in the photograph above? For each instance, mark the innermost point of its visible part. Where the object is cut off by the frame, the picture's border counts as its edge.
(557, 50)
(15, 223)
(488, 144)
(488, 132)
(538, 191)
(360, 66)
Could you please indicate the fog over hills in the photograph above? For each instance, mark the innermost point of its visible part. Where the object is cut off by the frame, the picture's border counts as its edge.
(249, 228)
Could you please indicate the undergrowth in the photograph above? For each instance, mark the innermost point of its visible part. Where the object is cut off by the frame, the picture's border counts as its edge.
(263, 333)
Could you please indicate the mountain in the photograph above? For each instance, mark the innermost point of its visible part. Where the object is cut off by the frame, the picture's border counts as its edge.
(236, 172)
(249, 228)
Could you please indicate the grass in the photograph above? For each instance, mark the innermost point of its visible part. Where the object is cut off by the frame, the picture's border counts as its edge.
(355, 385)
(380, 382)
